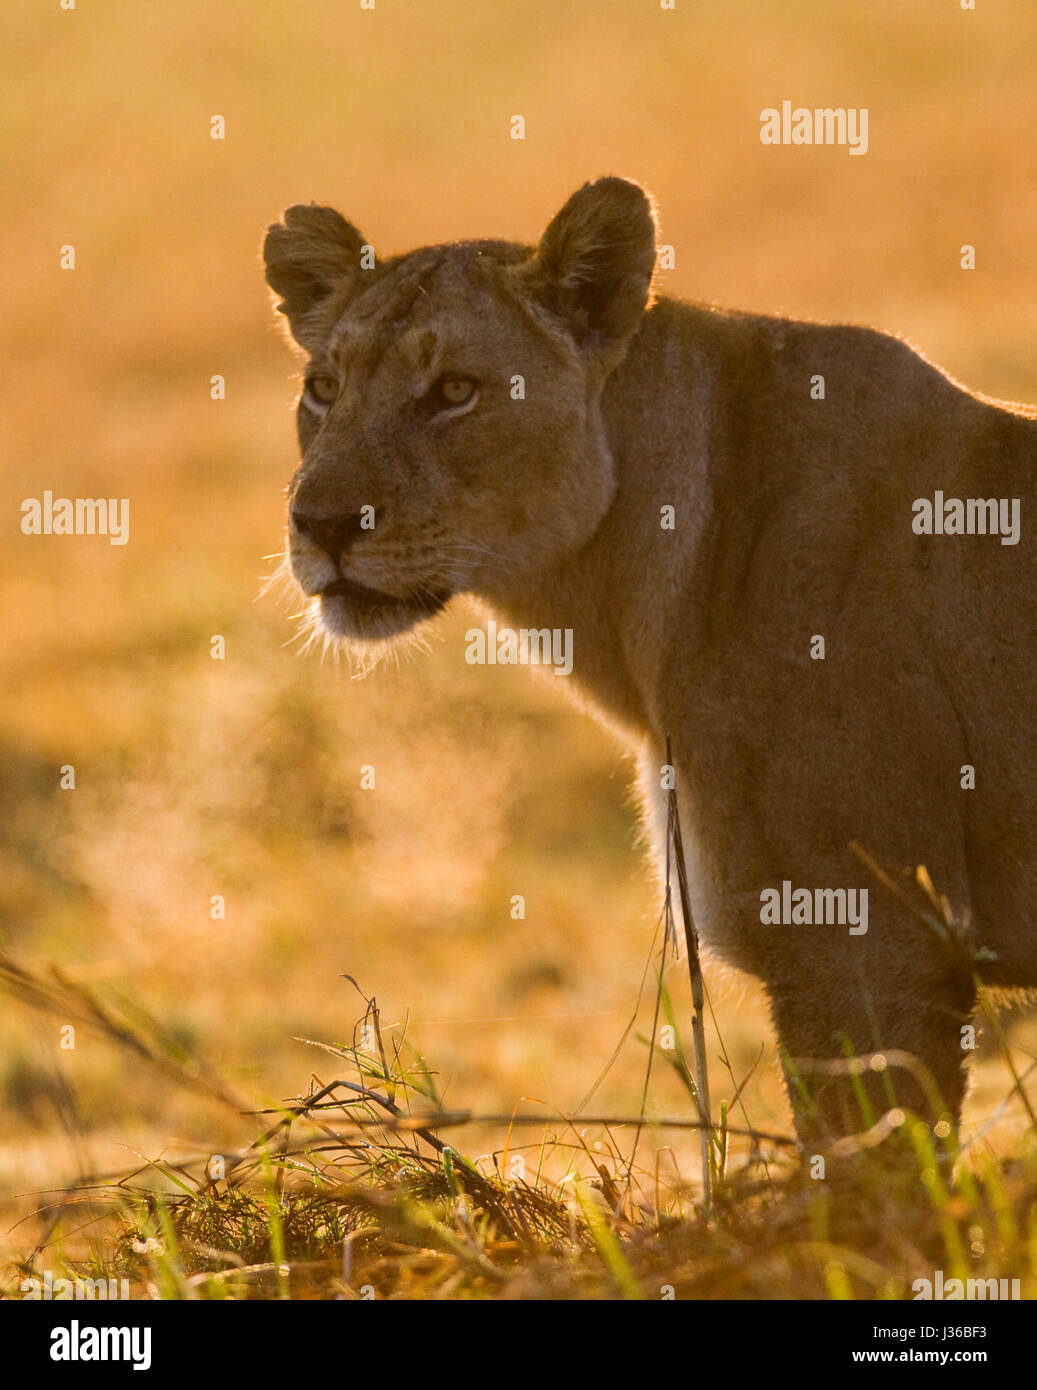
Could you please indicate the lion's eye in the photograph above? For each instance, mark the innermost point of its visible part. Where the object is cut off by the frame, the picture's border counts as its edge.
(454, 390)
(323, 389)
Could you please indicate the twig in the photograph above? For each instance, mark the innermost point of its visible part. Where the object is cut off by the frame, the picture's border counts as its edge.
(698, 1030)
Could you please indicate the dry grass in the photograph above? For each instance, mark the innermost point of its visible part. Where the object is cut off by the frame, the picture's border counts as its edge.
(351, 1191)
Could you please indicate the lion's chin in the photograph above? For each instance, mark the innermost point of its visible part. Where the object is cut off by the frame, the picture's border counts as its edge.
(353, 613)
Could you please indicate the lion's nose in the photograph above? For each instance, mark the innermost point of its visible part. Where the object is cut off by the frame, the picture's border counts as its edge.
(334, 534)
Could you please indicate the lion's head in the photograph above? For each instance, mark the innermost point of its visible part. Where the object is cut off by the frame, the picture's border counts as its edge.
(449, 424)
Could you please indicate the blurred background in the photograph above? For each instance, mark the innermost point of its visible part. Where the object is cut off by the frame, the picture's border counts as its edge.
(241, 777)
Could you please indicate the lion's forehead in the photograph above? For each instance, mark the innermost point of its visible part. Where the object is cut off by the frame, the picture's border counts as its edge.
(414, 299)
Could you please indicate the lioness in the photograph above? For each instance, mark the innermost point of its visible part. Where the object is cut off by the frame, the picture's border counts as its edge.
(798, 550)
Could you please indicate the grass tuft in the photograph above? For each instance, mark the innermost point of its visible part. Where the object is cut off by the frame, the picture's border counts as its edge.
(348, 1191)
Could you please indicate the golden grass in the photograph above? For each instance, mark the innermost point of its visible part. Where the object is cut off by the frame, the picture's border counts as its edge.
(359, 1189)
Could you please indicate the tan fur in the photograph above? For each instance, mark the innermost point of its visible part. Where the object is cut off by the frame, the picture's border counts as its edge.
(793, 519)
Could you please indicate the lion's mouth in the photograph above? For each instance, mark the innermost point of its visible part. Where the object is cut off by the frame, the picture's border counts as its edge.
(350, 609)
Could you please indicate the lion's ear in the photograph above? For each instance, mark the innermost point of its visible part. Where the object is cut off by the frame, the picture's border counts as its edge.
(308, 255)
(595, 261)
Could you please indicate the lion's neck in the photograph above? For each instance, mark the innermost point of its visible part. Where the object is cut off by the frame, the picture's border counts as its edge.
(639, 585)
